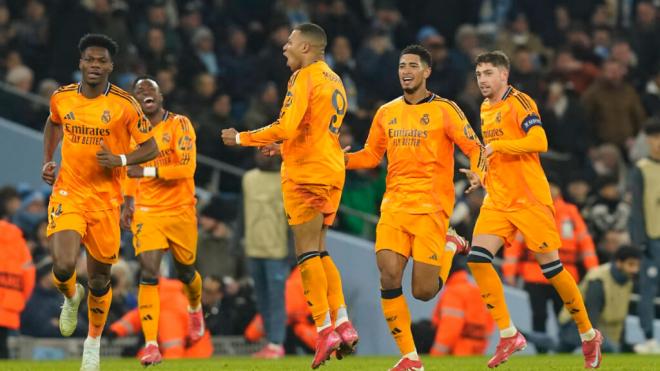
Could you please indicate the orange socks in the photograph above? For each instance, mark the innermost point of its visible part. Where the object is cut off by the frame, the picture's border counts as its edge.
(193, 291)
(316, 288)
(336, 301)
(445, 263)
(568, 290)
(65, 285)
(149, 308)
(398, 319)
(98, 305)
(490, 285)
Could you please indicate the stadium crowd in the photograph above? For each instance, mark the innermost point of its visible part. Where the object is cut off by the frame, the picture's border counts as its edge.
(592, 66)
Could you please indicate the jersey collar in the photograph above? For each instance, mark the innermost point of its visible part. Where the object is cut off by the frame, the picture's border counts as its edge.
(107, 88)
(424, 100)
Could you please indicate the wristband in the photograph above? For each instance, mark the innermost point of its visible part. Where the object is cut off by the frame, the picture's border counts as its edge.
(238, 138)
(123, 160)
(149, 172)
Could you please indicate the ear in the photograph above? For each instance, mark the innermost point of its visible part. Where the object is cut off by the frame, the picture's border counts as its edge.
(306, 47)
(504, 74)
(427, 72)
(112, 66)
(80, 62)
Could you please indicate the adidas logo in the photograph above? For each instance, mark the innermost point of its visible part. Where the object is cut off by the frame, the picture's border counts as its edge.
(70, 116)
(395, 331)
(490, 306)
(392, 122)
(147, 317)
(96, 310)
(433, 257)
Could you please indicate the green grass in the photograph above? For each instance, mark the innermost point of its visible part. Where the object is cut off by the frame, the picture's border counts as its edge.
(521, 362)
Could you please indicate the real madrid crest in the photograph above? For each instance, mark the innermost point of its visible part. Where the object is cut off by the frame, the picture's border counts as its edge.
(425, 119)
(105, 117)
(498, 117)
(166, 138)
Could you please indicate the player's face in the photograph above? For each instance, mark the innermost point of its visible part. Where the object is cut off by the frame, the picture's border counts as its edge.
(95, 65)
(412, 73)
(148, 94)
(293, 50)
(491, 79)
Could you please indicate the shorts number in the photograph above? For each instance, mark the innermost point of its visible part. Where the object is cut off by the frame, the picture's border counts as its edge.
(339, 104)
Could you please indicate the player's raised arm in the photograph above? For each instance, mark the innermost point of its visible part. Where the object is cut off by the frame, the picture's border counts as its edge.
(292, 112)
(374, 149)
(529, 119)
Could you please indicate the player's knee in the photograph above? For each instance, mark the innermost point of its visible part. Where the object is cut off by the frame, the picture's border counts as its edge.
(389, 279)
(99, 282)
(149, 274)
(479, 255)
(64, 266)
(424, 293)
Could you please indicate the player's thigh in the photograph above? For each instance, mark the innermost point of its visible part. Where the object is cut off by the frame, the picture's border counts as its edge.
(148, 232)
(65, 230)
(491, 230)
(181, 233)
(102, 238)
(307, 235)
(329, 209)
(391, 265)
(303, 202)
(538, 227)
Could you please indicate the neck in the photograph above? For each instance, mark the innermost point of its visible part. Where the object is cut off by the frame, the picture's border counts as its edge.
(156, 117)
(93, 91)
(497, 97)
(417, 95)
(311, 60)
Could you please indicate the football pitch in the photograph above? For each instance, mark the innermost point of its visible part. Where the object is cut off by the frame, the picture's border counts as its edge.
(521, 362)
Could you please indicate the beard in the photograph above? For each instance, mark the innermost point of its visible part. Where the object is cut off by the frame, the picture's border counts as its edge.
(413, 89)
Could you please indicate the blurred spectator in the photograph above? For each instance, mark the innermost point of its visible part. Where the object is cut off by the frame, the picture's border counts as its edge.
(10, 202)
(158, 16)
(41, 315)
(388, 18)
(294, 10)
(199, 103)
(602, 37)
(613, 107)
(190, 21)
(607, 161)
(17, 276)
(577, 247)
(377, 61)
(462, 329)
(651, 95)
(109, 18)
(238, 69)
(465, 50)
(564, 120)
(525, 74)
(606, 291)
(646, 37)
(577, 190)
(264, 108)
(201, 59)
(298, 317)
(622, 52)
(645, 231)
(155, 54)
(611, 241)
(172, 325)
(607, 211)
(215, 255)
(518, 34)
(227, 308)
(32, 212)
(266, 248)
(342, 62)
(339, 21)
(445, 80)
(577, 74)
(123, 295)
(272, 67)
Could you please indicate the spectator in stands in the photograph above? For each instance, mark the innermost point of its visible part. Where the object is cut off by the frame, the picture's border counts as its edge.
(294, 10)
(123, 294)
(155, 54)
(613, 107)
(264, 108)
(525, 73)
(606, 291)
(266, 248)
(41, 315)
(623, 53)
(388, 18)
(272, 67)
(646, 37)
(10, 202)
(227, 306)
(32, 212)
(462, 328)
(199, 103)
(16, 278)
(215, 245)
(645, 232)
(651, 96)
(577, 74)
(110, 18)
(445, 80)
(607, 161)
(159, 16)
(611, 241)
(201, 59)
(564, 120)
(465, 50)
(342, 62)
(577, 247)
(172, 325)
(518, 34)
(607, 210)
(375, 60)
(340, 22)
(238, 65)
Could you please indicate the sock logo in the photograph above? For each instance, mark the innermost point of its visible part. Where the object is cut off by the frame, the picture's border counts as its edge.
(391, 319)
(96, 310)
(395, 331)
(573, 310)
(310, 303)
(490, 306)
(147, 317)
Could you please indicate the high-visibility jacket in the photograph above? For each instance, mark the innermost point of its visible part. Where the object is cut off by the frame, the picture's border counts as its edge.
(297, 313)
(576, 246)
(17, 275)
(172, 324)
(462, 321)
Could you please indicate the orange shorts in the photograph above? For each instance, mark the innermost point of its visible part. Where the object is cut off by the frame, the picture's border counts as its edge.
(536, 223)
(302, 202)
(177, 231)
(99, 229)
(421, 236)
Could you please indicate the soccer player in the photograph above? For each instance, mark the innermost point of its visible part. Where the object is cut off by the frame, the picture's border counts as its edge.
(95, 121)
(418, 131)
(160, 210)
(313, 174)
(518, 198)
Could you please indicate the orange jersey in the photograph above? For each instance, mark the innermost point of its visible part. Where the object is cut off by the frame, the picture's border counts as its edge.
(175, 164)
(419, 140)
(515, 178)
(114, 117)
(576, 246)
(308, 126)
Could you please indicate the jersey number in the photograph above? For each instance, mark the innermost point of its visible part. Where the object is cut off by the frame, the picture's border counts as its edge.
(339, 104)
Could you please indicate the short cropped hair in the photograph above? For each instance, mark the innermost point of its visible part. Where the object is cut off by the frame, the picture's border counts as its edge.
(99, 40)
(422, 52)
(314, 32)
(652, 126)
(143, 77)
(497, 58)
(627, 252)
